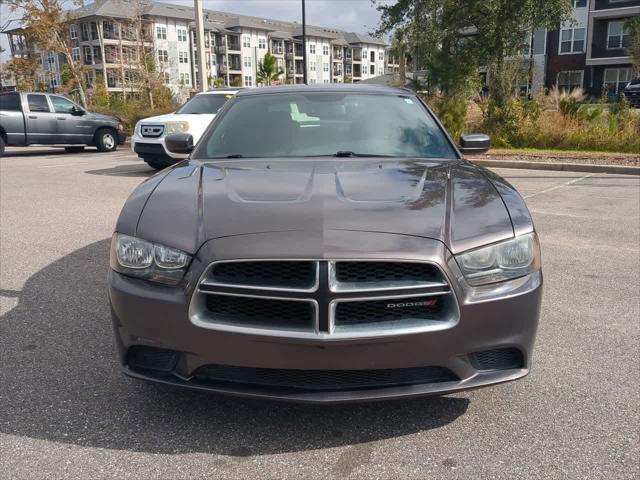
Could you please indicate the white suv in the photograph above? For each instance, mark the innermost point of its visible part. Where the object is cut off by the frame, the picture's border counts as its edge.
(193, 117)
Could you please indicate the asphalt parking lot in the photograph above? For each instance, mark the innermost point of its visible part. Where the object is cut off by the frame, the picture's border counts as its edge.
(67, 412)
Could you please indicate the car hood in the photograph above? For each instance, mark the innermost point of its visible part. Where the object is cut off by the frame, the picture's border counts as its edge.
(102, 118)
(453, 202)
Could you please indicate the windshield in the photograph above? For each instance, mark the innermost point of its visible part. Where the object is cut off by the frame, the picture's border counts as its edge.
(326, 124)
(205, 103)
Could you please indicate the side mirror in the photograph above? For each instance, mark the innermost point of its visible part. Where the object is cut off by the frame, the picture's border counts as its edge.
(179, 143)
(474, 143)
(77, 111)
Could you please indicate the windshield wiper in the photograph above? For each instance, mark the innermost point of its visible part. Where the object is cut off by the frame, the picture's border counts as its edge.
(349, 153)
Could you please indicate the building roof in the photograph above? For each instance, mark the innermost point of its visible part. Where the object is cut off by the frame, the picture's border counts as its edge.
(220, 21)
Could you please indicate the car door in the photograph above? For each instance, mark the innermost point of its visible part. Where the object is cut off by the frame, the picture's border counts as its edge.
(42, 126)
(72, 128)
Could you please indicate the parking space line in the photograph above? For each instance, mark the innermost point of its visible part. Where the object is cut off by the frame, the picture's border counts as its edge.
(557, 187)
(63, 165)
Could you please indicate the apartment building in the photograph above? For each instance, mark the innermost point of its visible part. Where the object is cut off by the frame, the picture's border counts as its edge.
(107, 39)
(590, 51)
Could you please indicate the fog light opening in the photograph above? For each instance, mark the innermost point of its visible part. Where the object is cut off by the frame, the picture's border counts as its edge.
(498, 359)
(151, 358)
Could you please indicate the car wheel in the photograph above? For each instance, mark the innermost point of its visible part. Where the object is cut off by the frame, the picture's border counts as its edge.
(106, 140)
(156, 164)
(74, 149)
(1, 146)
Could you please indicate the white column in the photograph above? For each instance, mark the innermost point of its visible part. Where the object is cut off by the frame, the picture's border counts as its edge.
(202, 66)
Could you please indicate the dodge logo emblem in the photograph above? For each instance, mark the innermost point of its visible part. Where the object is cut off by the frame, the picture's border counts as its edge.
(425, 303)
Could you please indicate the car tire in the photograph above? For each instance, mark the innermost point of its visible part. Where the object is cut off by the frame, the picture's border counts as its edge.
(1, 146)
(106, 140)
(74, 149)
(156, 164)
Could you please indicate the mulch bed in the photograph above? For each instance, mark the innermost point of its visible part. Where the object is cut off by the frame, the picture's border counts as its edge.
(627, 159)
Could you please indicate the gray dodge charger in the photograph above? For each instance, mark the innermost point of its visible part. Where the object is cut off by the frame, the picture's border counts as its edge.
(326, 244)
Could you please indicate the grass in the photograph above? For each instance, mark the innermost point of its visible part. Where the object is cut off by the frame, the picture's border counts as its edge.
(556, 151)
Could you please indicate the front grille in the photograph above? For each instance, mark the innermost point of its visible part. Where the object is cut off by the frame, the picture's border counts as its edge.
(249, 311)
(375, 311)
(151, 131)
(499, 359)
(376, 272)
(309, 298)
(322, 380)
(286, 275)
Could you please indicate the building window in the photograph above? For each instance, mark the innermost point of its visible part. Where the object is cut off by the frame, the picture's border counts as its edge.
(381, 56)
(372, 69)
(167, 79)
(87, 55)
(312, 48)
(579, 3)
(325, 67)
(262, 42)
(570, 80)
(51, 58)
(616, 79)
(161, 33)
(325, 49)
(182, 35)
(163, 56)
(75, 54)
(373, 56)
(617, 35)
(246, 41)
(247, 61)
(184, 79)
(312, 66)
(53, 82)
(248, 81)
(572, 40)
(73, 31)
(183, 57)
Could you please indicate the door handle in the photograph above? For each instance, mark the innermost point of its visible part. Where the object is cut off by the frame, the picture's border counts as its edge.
(33, 116)
(61, 118)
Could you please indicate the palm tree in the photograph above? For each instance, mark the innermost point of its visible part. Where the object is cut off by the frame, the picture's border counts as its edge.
(268, 70)
(400, 48)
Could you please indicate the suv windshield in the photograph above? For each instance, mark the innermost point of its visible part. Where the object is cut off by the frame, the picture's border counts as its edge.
(326, 124)
(205, 103)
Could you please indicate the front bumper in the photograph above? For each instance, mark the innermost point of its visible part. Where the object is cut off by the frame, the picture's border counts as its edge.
(154, 148)
(503, 317)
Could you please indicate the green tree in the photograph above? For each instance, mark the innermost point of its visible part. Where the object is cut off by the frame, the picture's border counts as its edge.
(633, 26)
(454, 38)
(268, 70)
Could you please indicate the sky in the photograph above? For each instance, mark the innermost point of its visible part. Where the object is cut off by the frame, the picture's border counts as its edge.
(352, 15)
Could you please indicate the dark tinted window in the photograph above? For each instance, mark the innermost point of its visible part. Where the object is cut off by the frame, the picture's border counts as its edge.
(323, 124)
(10, 101)
(205, 103)
(38, 103)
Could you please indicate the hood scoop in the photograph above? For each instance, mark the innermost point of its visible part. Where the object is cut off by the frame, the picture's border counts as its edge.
(269, 184)
(382, 184)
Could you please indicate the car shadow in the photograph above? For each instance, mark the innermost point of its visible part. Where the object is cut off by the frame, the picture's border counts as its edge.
(137, 170)
(61, 382)
(45, 152)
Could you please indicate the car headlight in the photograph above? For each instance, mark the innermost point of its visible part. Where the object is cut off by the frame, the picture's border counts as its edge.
(120, 126)
(501, 261)
(138, 258)
(176, 127)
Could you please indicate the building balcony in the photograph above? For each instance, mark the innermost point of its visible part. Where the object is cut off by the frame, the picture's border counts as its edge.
(221, 49)
(289, 56)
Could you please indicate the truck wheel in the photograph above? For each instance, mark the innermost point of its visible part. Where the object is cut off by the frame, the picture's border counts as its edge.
(1, 145)
(73, 149)
(156, 164)
(106, 140)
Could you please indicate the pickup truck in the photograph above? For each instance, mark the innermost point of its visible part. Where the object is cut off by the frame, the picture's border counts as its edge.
(49, 119)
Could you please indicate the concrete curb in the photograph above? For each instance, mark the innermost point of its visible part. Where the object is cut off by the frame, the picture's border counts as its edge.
(561, 167)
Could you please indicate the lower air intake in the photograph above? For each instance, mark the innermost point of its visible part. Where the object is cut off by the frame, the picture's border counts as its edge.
(322, 380)
(149, 358)
(500, 359)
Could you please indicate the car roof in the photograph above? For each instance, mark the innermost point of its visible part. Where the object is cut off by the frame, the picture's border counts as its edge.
(329, 88)
(221, 91)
